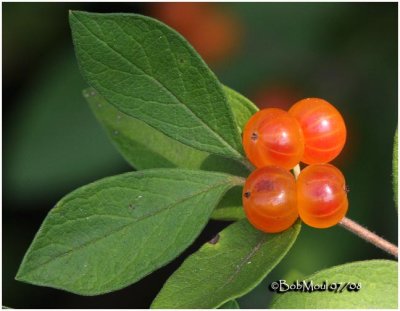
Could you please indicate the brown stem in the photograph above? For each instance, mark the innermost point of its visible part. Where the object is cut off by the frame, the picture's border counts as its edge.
(369, 236)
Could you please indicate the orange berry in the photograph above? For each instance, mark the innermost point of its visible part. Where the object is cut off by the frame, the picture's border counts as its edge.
(321, 195)
(323, 128)
(269, 199)
(273, 137)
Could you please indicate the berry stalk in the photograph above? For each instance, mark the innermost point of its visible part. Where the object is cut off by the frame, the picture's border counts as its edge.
(369, 236)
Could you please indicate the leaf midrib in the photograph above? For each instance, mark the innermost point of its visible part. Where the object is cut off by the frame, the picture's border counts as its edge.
(234, 274)
(263, 239)
(168, 91)
(167, 208)
(251, 254)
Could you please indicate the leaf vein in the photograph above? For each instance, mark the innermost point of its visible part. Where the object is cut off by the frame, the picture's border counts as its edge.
(125, 226)
(168, 91)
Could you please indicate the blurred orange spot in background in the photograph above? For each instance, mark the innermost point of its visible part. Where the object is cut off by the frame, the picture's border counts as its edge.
(276, 96)
(212, 30)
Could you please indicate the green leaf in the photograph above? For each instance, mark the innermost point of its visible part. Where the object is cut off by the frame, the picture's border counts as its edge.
(242, 107)
(148, 71)
(113, 232)
(231, 304)
(225, 269)
(378, 279)
(145, 147)
(395, 168)
(230, 207)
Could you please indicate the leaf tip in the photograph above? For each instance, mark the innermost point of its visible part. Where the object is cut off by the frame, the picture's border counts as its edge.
(71, 17)
(20, 275)
(23, 273)
(73, 14)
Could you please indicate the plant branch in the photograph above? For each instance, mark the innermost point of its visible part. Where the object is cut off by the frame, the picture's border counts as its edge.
(369, 236)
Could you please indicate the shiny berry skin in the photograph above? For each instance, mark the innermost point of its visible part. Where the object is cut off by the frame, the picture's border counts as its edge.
(273, 137)
(269, 199)
(323, 128)
(321, 195)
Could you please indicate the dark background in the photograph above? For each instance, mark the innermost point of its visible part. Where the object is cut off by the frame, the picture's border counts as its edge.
(274, 53)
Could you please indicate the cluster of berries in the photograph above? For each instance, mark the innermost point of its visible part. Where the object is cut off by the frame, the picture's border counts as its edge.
(275, 141)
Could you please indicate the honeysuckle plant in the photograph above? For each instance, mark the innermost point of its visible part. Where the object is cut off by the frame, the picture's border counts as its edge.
(168, 115)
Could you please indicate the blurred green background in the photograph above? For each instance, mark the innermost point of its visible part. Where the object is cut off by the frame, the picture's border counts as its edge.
(274, 53)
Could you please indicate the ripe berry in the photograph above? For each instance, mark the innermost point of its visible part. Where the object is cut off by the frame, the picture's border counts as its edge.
(321, 195)
(273, 137)
(323, 129)
(269, 199)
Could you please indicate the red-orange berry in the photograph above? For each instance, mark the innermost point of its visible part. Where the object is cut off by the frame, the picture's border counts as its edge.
(323, 128)
(321, 195)
(273, 137)
(269, 199)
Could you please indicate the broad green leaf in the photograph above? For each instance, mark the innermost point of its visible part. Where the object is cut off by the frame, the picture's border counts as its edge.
(395, 168)
(145, 147)
(226, 269)
(148, 71)
(242, 107)
(230, 207)
(231, 304)
(378, 279)
(113, 232)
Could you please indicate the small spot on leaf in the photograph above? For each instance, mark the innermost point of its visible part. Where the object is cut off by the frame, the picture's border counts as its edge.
(214, 240)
